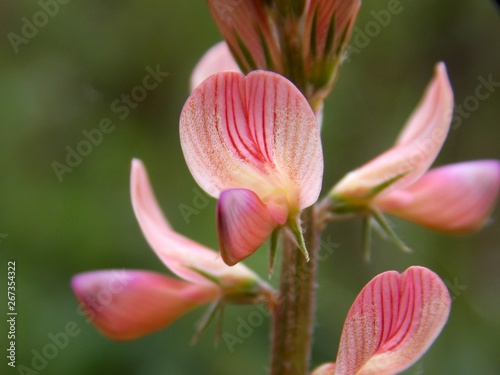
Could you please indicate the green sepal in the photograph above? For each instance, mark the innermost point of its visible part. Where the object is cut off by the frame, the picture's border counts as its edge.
(252, 65)
(313, 45)
(206, 275)
(348, 205)
(294, 226)
(330, 37)
(295, 7)
(267, 54)
(273, 246)
(215, 309)
(384, 185)
(238, 60)
(384, 225)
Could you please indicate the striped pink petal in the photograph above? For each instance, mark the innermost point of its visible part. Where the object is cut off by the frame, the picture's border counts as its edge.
(415, 150)
(257, 133)
(453, 198)
(216, 59)
(178, 253)
(125, 305)
(244, 223)
(246, 28)
(392, 322)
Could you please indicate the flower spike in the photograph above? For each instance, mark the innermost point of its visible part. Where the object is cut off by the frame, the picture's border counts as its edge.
(254, 143)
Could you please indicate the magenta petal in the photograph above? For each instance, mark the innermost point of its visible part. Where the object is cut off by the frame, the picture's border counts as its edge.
(392, 322)
(453, 198)
(125, 305)
(216, 59)
(243, 223)
(180, 254)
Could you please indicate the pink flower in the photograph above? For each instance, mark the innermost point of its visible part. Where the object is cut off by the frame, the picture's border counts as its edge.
(128, 304)
(453, 198)
(254, 143)
(391, 324)
(125, 305)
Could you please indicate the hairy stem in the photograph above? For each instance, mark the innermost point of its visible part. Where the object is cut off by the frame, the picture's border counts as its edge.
(293, 317)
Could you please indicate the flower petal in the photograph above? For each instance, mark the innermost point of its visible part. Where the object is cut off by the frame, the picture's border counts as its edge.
(180, 254)
(256, 132)
(243, 222)
(125, 305)
(453, 198)
(246, 28)
(392, 322)
(325, 369)
(216, 59)
(415, 150)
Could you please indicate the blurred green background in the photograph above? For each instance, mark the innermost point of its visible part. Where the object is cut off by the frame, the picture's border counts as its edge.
(64, 79)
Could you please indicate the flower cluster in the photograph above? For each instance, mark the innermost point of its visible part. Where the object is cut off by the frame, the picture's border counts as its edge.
(253, 143)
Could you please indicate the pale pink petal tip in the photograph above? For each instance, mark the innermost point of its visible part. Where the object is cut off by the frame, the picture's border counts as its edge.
(125, 305)
(392, 322)
(243, 223)
(217, 59)
(143, 198)
(456, 198)
(415, 150)
(326, 369)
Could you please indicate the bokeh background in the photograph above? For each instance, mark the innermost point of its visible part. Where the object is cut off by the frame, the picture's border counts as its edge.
(63, 81)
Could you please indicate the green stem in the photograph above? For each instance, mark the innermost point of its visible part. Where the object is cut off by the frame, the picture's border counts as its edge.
(293, 317)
